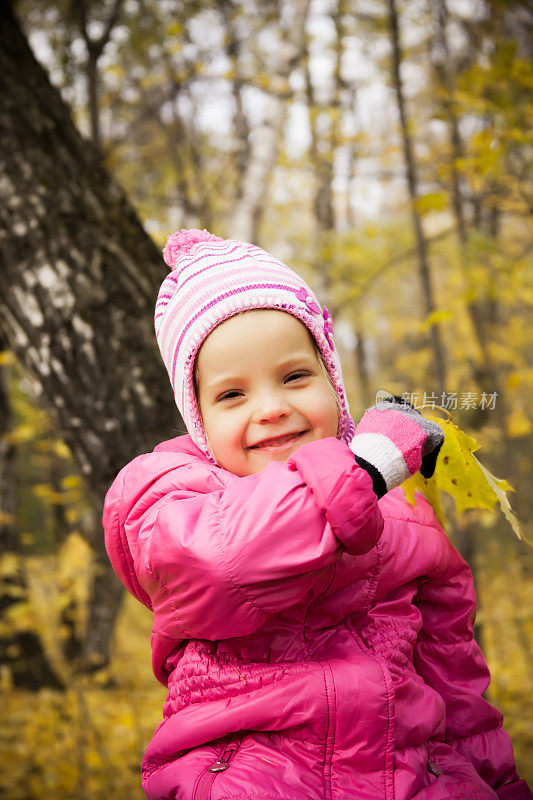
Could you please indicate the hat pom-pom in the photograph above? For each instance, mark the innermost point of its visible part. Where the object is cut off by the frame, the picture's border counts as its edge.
(180, 243)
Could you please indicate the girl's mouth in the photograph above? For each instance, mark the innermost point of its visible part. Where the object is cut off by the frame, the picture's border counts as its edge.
(278, 442)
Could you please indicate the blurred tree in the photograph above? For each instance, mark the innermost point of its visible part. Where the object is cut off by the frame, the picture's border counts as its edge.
(438, 366)
(264, 149)
(330, 108)
(481, 302)
(95, 47)
(79, 281)
(20, 650)
(8, 519)
(234, 46)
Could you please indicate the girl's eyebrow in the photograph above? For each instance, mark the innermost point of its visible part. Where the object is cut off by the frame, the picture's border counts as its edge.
(298, 358)
(228, 379)
(298, 361)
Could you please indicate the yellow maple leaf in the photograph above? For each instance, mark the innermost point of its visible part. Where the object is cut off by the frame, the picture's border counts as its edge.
(463, 477)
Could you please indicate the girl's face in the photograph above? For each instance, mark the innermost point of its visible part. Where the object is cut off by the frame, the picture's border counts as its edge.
(262, 391)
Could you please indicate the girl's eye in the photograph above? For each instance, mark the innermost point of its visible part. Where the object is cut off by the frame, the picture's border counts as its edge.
(295, 375)
(228, 396)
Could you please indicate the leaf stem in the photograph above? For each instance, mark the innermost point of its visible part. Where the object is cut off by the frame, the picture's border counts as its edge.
(438, 408)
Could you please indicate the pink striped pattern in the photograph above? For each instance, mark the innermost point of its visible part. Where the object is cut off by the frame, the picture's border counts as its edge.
(212, 280)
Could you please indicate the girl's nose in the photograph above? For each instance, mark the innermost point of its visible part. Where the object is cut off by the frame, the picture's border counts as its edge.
(270, 407)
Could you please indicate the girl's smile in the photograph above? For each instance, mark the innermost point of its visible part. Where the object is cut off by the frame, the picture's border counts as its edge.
(278, 443)
(262, 390)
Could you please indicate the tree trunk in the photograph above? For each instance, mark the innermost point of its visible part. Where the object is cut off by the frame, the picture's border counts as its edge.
(484, 372)
(9, 533)
(79, 281)
(20, 651)
(95, 48)
(104, 605)
(241, 126)
(264, 148)
(92, 90)
(439, 363)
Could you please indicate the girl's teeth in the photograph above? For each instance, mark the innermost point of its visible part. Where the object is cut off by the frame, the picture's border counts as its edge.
(280, 441)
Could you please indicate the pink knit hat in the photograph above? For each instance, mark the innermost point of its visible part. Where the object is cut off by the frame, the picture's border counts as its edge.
(212, 279)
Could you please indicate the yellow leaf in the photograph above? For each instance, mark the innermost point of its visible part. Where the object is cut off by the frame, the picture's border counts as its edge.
(498, 487)
(9, 565)
(460, 474)
(433, 201)
(175, 28)
(71, 482)
(72, 515)
(6, 358)
(22, 433)
(74, 554)
(434, 318)
(47, 493)
(518, 423)
(61, 449)
(429, 488)
(513, 380)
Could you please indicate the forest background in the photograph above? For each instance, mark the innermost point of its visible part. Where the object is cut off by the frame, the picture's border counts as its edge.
(380, 147)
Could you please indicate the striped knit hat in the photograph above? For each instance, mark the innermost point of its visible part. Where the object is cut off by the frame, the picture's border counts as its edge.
(212, 279)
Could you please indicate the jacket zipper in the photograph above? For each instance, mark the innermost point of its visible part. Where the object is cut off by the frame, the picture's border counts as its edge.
(203, 787)
(389, 754)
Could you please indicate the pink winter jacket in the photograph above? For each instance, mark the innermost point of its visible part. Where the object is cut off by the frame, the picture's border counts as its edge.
(316, 644)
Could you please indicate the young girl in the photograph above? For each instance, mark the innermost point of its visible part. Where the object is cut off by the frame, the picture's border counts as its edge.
(314, 630)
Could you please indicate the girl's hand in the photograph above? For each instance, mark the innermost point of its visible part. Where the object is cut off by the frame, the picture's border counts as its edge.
(393, 441)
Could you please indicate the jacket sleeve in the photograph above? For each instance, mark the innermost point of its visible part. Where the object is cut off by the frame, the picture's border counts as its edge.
(216, 563)
(449, 659)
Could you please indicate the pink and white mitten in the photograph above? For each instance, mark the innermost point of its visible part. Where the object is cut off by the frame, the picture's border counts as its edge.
(393, 441)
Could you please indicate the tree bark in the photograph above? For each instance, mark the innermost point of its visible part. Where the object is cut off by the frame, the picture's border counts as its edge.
(79, 281)
(439, 362)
